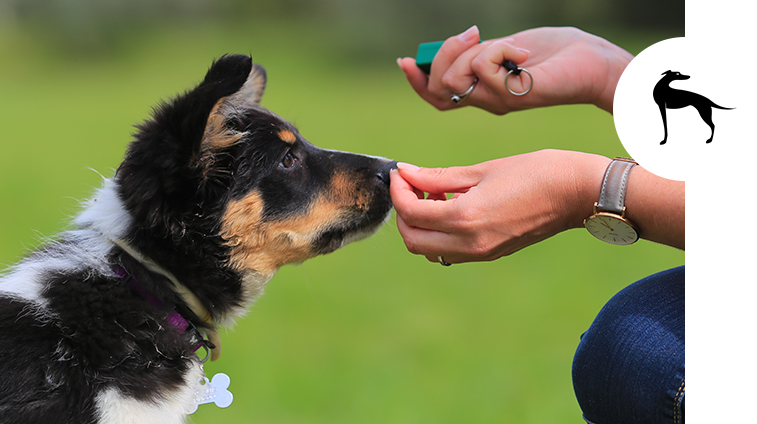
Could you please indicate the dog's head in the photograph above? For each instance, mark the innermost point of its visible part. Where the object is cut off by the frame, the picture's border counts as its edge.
(674, 75)
(222, 191)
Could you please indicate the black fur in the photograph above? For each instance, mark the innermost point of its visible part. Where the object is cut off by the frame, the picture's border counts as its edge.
(102, 335)
(88, 331)
(35, 383)
(175, 210)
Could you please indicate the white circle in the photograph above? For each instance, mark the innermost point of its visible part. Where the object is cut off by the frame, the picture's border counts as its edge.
(638, 118)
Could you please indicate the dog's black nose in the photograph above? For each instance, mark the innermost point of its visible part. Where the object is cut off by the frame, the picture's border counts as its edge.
(383, 174)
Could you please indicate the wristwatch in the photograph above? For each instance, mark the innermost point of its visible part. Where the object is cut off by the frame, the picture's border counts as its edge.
(609, 223)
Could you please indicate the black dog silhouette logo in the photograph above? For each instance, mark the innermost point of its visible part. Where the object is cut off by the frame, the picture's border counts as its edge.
(671, 98)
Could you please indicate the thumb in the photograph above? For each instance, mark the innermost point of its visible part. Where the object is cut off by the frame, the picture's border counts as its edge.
(456, 179)
(419, 82)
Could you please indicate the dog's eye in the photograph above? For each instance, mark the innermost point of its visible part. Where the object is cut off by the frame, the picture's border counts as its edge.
(288, 160)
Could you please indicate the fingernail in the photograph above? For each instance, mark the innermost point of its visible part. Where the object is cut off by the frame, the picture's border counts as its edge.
(522, 50)
(407, 166)
(399, 62)
(469, 35)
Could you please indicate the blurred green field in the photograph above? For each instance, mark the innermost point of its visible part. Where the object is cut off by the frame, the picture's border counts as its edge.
(371, 333)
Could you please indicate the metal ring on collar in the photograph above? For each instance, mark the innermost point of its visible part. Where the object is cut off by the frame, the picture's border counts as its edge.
(514, 93)
(457, 98)
(441, 261)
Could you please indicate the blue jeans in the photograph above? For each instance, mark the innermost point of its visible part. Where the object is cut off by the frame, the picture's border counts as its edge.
(630, 365)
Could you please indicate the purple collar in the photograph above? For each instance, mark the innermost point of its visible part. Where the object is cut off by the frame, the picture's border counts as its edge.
(174, 318)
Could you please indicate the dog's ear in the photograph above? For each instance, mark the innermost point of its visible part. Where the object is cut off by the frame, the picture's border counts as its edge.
(668, 72)
(186, 116)
(160, 177)
(253, 89)
(219, 133)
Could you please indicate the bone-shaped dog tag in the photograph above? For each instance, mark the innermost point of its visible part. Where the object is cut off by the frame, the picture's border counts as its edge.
(214, 390)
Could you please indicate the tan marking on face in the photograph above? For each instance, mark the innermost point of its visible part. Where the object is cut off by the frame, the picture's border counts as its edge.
(266, 246)
(347, 191)
(287, 136)
(244, 232)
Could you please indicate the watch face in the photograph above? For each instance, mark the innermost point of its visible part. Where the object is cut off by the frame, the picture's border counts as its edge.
(611, 228)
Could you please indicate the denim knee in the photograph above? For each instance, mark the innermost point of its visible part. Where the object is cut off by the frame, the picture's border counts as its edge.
(630, 365)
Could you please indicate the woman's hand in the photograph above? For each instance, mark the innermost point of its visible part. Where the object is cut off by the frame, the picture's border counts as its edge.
(568, 66)
(498, 207)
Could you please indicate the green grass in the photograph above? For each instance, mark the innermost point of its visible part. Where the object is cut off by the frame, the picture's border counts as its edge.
(369, 334)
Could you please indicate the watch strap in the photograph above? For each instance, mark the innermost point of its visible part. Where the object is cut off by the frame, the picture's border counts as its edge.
(612, 197)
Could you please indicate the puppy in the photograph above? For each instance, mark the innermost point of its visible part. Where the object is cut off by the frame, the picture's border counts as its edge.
(108, 323)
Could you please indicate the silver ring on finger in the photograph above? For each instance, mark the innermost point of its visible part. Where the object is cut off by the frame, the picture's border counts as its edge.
(457, 98)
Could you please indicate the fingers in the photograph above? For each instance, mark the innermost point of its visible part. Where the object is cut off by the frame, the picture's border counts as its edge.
(429, 88)
(441, 180)
(400, 189)
(461, 74)
(417, 236)
(418, 81)
(487, 65)
(421, 241)
(413, 208)
(428, 243)
(459, 63)
(434, 213)
(450, 52)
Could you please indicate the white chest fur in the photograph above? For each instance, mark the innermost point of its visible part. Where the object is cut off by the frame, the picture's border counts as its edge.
(115, 408)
